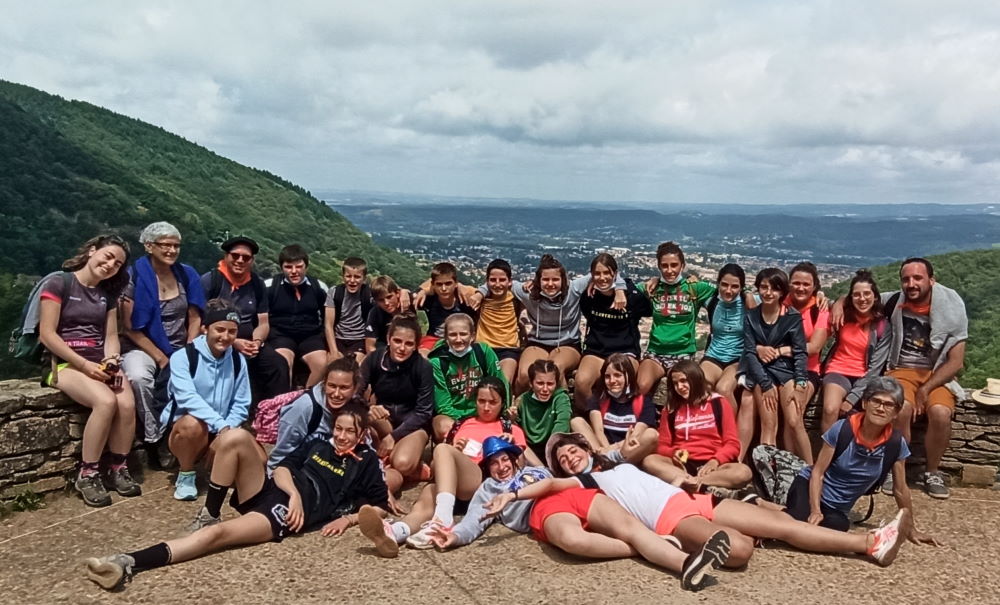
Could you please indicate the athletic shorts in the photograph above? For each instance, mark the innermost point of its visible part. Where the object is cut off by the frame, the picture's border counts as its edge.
(722, 365)
(845, 382)
(549, 348)
(48, 374)
(299, 345)
(797, 505)
(507, 353)
(428, 341)
(911, 379)
(271, 502)
(681, 506)
(347, 347)
(667, 362)
(575, 501)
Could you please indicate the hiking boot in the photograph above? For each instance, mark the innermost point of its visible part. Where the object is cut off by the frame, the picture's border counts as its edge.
(92, 490)
(887, 485)
(121, 481)
(203, 519)
(111, 572)
(888, 539)
(378, 530)
(934, 485)
(185, 488)
(422, 539)
(712, 555)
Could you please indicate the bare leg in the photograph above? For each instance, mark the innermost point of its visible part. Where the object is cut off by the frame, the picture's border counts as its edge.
(289, 356)
(795, 437)
(579, 425)
(746, 419)
(726, 386)
(252, 528)
(316, 361)
(509, 369)
(761, 522)
(528, 356)
(733, 475)
(122, 433)
(712, 373)
(239, 462)
(586, 376)
(648, 440)
(938, 435)
(662, 467)
(454, 472)
(833, 401)
(407, 453)
(650, 372)
(564, 531)
(423, 509)
(441, 424)
(188, 441)
(608, 517)
(566, 359)
(103, 406)
(768, 420)
(694, 531)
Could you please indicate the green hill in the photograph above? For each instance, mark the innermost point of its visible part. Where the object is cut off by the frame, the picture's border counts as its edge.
(976, 276)
(72, 170)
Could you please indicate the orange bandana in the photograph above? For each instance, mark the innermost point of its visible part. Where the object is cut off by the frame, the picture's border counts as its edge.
(856, 420)
(236, 283)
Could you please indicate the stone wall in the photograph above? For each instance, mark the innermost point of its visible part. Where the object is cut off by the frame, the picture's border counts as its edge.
(40, 437)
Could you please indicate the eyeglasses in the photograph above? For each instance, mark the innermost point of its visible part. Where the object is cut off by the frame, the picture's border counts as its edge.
(167, 245)
(236, 256)
(888, 404)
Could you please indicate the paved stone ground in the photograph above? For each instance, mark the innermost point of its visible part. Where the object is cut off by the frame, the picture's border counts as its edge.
(42, 554)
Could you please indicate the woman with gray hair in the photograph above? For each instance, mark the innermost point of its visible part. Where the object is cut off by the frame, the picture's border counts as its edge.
(858, 454)
(162, 309)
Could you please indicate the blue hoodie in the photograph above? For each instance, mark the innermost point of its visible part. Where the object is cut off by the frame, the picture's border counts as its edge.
(214, 395)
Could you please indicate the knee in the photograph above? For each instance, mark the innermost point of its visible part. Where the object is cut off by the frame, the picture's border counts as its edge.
(742, 473)
(405, 463)
(939, 416)
(189, 428)
(741, 550)
(104, 404)
(443, 450)
(126, 406)
(573, 542)
(233, 438)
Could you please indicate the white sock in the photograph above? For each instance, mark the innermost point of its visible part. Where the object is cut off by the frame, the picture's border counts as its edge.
(400, 531)
(444, 507)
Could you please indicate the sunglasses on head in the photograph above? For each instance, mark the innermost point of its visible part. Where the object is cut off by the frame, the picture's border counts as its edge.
(243, 257)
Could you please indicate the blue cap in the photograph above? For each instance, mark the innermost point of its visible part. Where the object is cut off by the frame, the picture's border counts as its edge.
(495, 445)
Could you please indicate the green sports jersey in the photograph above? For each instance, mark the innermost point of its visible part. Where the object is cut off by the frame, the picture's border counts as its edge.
(675, 312)
(539, 420)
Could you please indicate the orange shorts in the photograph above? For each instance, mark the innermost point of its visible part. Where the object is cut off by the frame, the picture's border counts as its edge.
(680, 507)
(428, 341)
(575, 501)
(911, 379)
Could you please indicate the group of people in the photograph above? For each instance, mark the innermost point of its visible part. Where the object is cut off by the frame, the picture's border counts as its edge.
(501, 405)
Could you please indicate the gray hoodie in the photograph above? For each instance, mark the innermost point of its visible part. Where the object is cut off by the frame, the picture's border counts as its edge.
(514, 516)
(293, 422)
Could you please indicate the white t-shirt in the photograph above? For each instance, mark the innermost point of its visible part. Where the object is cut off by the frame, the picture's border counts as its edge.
(642, 495)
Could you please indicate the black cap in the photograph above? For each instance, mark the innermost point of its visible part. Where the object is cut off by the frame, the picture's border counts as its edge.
(240, 240)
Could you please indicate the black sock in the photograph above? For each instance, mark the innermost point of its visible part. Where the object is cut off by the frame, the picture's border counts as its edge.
(216, 496)
(116, 461)
(155, 556)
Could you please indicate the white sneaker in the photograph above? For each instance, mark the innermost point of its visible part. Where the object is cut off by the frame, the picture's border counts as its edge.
(422, 539)
(889, 538)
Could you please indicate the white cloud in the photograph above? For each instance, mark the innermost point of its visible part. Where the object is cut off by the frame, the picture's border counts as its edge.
(710, 101)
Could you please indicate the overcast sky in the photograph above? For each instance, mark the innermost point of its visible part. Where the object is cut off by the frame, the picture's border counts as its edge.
(838, 101)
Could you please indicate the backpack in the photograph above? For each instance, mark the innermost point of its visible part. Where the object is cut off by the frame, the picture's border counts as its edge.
(774, 470)
(637, 403)
(365, 295)
(192, 355)
(716, 401)
(265, 423)
(891, 453)
(24, 343)
(215, 288)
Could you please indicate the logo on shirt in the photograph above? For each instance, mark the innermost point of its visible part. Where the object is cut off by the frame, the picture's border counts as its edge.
(279, 512)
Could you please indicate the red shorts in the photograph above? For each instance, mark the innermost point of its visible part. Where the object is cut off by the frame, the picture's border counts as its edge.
(427, 342)
(575, 501)
(682, 506)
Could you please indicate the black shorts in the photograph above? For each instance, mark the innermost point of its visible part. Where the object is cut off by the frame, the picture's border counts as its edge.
(507, 353)
(299, 345)
(549, 348)
(271, 502)
(722, 365)
(348, 347)
(798, 507)
(845, 382)
(815, 380)
(605, 354)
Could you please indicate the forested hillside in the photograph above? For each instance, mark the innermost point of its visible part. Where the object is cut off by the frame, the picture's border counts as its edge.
(976, 276)
(71, 170)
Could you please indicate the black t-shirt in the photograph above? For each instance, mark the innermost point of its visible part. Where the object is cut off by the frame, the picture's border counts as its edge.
(612, 331)
(621, 416)
(332, 485)
(296, 310)
(436, 314)
(377, 324)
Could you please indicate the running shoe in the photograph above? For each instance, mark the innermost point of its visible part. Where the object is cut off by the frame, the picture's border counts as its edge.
(203, 519)
(712, 555)
(378, 530)
(110, 573)
(92, 490)
(185, 488)
(121, 481)
(888, 539)
(673, 541)
(934, 485)
(422, 539)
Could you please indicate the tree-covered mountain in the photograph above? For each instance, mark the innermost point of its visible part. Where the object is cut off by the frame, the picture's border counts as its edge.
(975, 275)
(71, 170)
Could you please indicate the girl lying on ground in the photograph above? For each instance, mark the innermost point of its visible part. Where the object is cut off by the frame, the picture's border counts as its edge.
(695, 518)
(580, 521)
(321, 483)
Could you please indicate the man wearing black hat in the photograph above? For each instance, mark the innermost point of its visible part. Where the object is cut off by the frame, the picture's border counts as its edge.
(234, 279)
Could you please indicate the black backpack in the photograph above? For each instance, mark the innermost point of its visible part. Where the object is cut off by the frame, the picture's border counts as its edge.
(192, 355)
(891, 453)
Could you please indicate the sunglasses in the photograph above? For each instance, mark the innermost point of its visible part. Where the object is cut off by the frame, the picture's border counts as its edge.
(236, 256)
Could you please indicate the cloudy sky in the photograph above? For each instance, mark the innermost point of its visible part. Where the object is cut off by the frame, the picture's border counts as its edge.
(837, 101)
